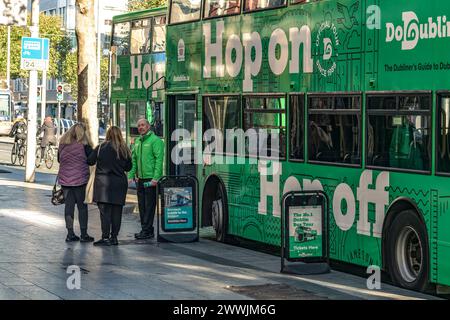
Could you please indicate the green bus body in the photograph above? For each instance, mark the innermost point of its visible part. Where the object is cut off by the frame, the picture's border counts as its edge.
(376, 47)
(137, 83)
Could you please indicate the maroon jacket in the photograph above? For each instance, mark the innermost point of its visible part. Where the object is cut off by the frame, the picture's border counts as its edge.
(73, 167)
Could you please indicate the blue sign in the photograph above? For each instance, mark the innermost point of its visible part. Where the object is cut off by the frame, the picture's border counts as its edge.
(35, 53)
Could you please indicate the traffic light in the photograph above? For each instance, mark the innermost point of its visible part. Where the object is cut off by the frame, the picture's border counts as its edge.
(59, 92)
(39, 93)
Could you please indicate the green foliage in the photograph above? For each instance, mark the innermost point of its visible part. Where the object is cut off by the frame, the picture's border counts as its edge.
(49, 27)
(70, 72)
(104, 78)
(135, 5)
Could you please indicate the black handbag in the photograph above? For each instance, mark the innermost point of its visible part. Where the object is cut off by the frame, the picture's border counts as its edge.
(57, 194)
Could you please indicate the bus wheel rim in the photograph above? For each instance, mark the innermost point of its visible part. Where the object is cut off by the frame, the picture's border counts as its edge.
(409, 254)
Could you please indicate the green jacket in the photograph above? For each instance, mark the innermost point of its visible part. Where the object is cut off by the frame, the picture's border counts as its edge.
(147, 157)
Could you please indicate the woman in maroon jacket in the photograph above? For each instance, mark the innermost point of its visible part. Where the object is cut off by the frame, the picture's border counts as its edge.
(73, 175)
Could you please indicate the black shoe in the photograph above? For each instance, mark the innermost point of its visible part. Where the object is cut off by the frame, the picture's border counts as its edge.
(114, 241)
(86, 238)
(137, 235)
(72, 238)
(102, 242)
(145, 236)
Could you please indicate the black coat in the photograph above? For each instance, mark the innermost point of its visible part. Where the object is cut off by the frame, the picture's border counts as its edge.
(111, 183)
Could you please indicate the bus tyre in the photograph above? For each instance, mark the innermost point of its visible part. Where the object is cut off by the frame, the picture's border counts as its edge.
(218, 214)
(407, 252)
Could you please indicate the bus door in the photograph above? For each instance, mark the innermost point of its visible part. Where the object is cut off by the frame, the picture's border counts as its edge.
(182, 116)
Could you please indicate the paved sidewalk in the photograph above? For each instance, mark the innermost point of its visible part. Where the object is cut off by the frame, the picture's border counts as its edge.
(34, 260)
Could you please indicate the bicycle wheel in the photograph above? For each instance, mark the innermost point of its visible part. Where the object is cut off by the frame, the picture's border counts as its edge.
(38, 157)
(49, 157)
(21, 155)
(14, 154)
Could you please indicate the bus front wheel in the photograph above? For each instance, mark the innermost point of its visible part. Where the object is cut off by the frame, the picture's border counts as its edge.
(407, 254)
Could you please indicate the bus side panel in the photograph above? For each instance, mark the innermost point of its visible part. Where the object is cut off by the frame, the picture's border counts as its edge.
(443, 239)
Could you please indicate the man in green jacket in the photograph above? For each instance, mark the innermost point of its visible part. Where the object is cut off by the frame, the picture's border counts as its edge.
(147, 158)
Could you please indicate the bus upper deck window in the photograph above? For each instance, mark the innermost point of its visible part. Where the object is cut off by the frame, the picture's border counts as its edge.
(140, 36)
(159, 34)
(216, 8)
(184, 10)
(251, 5)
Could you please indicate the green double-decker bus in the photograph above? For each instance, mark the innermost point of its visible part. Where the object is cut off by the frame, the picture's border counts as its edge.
(138, 63)
(357, 94)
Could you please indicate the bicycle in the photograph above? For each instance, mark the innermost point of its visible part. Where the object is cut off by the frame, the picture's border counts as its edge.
(49, 156)
(18, 152)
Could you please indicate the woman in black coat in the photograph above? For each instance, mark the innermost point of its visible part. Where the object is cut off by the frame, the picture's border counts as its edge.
(113, 159)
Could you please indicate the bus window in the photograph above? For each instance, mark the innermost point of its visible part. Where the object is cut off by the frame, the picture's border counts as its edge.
(252, 5)
(137, 111)
(267, 117)
(222, 114)
(334, 129)
(216, 8)
(140, 36)
(399, 131)
(121, 37)
(443, 138)
(297, 127)
(159, 34)
(184, 10)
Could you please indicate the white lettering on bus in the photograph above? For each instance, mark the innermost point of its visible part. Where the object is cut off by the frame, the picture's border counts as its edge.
(136, 71)
(343, 192)
(374, 17)
(213, 50)
(143, 76)
(251, 46)
(412, 30)
(251, 41)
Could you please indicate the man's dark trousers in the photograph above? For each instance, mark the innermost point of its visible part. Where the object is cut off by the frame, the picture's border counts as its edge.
(147, 205)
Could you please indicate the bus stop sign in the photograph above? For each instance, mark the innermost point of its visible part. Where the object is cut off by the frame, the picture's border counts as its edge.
(178, 209)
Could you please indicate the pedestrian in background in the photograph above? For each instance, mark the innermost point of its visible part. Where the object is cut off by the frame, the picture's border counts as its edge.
(147, 158)
(73, 175)
(113, 159)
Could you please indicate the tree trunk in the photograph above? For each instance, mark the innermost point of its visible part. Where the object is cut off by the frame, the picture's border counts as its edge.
(87, 67)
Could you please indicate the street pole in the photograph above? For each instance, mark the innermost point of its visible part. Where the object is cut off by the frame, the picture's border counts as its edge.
(58, 132)
(8, 71)
(8, 59)
(32, 103)
(43, 96)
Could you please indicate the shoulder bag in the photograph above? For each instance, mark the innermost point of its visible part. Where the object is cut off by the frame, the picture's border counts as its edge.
(57, 194)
